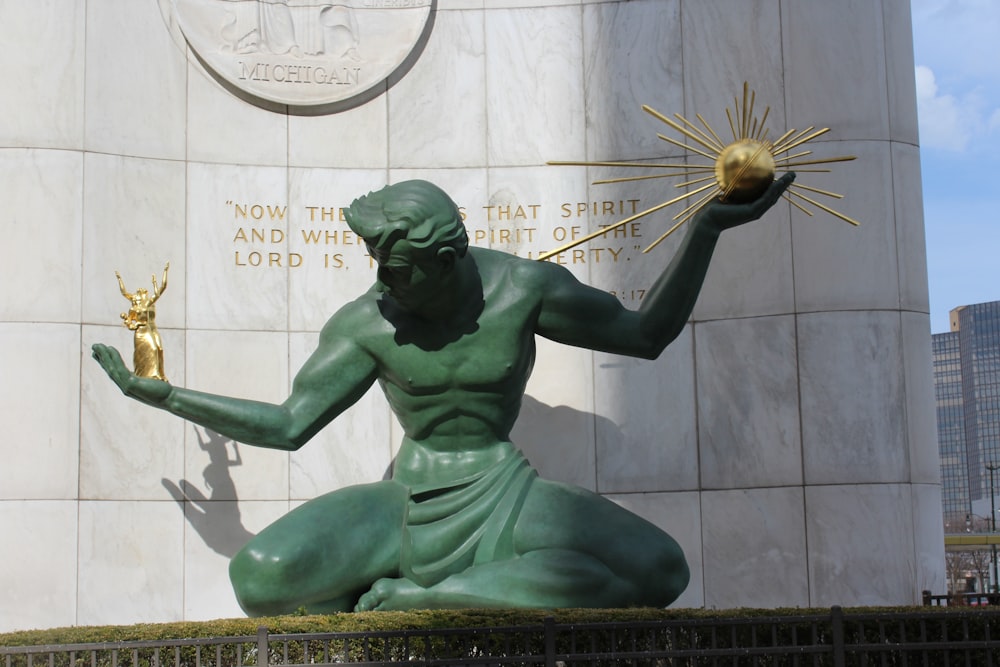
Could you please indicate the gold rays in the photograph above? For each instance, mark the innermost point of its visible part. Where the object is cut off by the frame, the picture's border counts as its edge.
(737, 172)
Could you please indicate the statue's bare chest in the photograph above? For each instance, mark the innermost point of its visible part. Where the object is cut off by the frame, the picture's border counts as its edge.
(494, 354)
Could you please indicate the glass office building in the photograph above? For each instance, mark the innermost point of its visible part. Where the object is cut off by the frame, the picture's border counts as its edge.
(967, 390)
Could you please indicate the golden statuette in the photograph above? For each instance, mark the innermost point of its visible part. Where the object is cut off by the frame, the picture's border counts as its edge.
(141, 318)
(738, 171)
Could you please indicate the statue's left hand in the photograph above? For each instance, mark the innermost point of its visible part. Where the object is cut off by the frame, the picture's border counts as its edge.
(721, 216)
(147, 390)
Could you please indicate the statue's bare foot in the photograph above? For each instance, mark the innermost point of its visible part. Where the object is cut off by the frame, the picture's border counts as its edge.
(391, 594)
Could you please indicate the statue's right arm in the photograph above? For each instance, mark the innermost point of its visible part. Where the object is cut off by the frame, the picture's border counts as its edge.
(337, 374)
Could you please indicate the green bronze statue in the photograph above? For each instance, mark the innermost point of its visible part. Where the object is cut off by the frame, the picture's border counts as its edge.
(448, 332)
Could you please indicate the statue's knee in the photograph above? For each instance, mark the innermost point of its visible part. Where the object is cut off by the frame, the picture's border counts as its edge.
(678, 576)
(662, 573)
(258, 583)
(672, 574)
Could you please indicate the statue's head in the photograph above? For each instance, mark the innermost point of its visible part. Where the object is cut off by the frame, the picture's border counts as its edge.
(418, 211)
(415, 233)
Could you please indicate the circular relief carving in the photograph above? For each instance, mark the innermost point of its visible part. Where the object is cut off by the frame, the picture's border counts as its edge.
(303, 53)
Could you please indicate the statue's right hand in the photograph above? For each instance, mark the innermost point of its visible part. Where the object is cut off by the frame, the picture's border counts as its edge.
(146, 390)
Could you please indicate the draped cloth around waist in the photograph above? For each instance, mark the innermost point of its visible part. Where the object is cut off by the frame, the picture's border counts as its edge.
(461, 523)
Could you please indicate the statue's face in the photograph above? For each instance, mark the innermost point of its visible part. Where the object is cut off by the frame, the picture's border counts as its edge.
(410, 276)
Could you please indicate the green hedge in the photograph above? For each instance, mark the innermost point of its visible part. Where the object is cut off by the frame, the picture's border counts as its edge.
(378, 621)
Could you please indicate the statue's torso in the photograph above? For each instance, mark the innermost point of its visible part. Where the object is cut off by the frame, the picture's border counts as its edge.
(457, 390)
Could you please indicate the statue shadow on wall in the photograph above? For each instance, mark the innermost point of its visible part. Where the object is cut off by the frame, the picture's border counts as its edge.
(216, 516)
(540, 425)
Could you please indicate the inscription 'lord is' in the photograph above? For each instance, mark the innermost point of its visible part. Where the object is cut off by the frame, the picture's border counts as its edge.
(284, 73)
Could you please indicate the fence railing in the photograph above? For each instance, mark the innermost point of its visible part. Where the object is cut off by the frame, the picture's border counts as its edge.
(839, 639)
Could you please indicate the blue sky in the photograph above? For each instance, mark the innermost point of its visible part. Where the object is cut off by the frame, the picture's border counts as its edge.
(956, 47)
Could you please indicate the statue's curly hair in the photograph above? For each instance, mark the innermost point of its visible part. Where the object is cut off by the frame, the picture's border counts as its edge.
(418, 211)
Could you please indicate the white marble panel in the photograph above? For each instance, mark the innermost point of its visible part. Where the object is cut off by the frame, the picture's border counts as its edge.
(534, 79)
(42, 232)
(727, 43)
(852, 394)
(751, 272)
(135, 82)
(835, 67)
(748, 403)
(555, 429)
(911, 242)
(646, 425)
(243, 364)
(755, 548)
(679, 514)
(526, 4)
(928, 535)
(39, 567)
(437, 112)
(208, 593)
(355, 138)
(133, 223)
(921, 413)
(223, 128)
(354, 449)
(237, 280)
(531, 210)
(852, 530)
(131, 563)
(899, 66)
(839, 266)
(335, 268)
(128, 450)
(450, 5)
(632, 55)
(42, 87)
(41, 373)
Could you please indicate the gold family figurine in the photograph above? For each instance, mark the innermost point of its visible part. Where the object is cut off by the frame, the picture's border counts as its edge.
(141, 318)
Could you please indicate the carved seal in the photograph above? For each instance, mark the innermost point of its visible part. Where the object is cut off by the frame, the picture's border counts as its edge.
(303, 53)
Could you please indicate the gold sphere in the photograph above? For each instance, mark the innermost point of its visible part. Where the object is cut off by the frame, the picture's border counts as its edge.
(744, 170)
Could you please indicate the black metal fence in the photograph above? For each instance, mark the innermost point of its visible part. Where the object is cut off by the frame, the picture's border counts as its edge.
(969, 638)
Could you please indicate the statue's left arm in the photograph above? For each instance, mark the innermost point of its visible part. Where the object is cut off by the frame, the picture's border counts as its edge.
(584, 316)
(337, 374)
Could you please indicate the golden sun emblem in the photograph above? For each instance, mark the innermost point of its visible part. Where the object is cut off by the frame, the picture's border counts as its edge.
(739, 172)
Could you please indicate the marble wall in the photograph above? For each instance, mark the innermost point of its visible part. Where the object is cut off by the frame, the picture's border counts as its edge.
(786, 439)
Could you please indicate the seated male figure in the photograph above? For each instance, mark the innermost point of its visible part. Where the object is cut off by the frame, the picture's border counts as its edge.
(449, 331)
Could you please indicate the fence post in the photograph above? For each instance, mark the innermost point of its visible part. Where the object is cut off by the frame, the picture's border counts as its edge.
(262, 658)
(837, 629)
(927, 597)
(550, 642)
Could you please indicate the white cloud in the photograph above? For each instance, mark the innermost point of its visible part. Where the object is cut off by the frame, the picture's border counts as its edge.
(958, 80)
(957, 38)
(944, 122)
